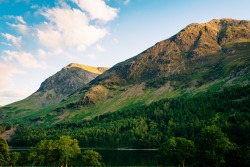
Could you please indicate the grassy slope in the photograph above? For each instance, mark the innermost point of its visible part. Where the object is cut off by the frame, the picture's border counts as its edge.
(212, 73)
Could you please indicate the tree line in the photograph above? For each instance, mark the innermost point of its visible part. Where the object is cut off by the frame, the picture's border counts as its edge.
(210, 149)
(62, 152)
(149, 126)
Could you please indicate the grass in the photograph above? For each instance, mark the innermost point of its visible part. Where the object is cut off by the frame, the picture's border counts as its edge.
(85, 67)
(208, 73)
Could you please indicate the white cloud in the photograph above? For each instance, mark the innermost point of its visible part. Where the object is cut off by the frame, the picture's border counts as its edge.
(64, 31)
(7, 71)
(20, 25)
(97, 9)
(21, 28)
(68, 28)
(24, 59)
(42, 54)
(9, 90)
(20, 19)
(49, 37)
(16, 41)
(63, 4)
(12, 67)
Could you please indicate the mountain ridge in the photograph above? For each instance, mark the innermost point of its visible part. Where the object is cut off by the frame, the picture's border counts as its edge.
(166, 59)
(72, 69)
(201, 57)
(96, 70)
(184, 44)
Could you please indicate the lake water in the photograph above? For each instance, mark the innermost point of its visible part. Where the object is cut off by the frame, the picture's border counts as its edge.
(122, 157)
(129, 157)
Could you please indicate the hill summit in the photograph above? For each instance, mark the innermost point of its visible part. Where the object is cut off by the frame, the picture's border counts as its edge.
(201, 57)
(172, 55)
(96, 70)
(57, 87)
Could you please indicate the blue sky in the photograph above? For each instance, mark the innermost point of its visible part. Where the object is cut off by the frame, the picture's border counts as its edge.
(38, 38)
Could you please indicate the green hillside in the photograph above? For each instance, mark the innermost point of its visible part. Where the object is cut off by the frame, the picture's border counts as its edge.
(53, 90)
(201, 57)
(149, 126)
(191, 88)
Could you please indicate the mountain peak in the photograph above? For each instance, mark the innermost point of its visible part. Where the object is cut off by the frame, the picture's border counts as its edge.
(84, 67)
(200, 57)
(170, 56)
(209, 38)
(58, 86)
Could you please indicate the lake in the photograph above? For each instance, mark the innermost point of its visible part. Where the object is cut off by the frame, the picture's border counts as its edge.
(129, 157)
(121, 157)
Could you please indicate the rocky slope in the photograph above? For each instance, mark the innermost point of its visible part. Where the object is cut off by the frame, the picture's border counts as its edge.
(57, 87)
(197, 55)
(201, 57)
(69, 79)
(172, 55)
(198, 49)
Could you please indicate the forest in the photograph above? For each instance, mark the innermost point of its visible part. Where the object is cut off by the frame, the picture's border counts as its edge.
(62, 152)
(188, 122)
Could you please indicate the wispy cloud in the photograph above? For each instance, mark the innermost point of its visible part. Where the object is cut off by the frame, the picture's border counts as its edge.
(65, 30)
(20, 19)
(21, 28)
(22, 58)
(7, 71)
(19, 24)
(14, 64)
(16, 41)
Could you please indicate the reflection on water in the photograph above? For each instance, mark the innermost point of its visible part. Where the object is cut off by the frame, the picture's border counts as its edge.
(129, 157)
(117, 157)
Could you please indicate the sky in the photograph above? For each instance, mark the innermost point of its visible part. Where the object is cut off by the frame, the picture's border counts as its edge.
(40, 37)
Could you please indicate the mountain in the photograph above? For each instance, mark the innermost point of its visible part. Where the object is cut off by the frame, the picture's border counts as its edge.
(70, 78)
(57, 87)
(201, 57)
(175, 54)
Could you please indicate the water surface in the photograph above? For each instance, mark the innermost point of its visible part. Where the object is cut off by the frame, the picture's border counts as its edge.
(129, 157)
